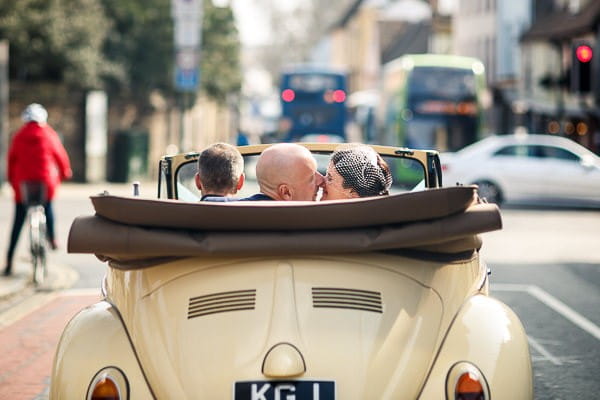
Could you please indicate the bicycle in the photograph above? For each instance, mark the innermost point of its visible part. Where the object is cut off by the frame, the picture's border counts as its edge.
(34, 196)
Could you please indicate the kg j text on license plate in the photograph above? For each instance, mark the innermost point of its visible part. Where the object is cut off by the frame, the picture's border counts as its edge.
(284, 390)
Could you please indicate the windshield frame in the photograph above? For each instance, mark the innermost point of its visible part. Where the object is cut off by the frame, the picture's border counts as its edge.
(171, 165)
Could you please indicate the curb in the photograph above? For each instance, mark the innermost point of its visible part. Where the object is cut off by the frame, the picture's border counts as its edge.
(59, 277)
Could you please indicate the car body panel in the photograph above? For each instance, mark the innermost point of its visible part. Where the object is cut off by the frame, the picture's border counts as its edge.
(285, 292)
(580, 179)
(399, 342)
(94, 339)
(488, 334)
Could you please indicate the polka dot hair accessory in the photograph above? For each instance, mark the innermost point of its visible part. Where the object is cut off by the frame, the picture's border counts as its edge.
(363, 170)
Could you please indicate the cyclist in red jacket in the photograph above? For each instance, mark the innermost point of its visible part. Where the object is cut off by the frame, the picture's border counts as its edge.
(35, 154)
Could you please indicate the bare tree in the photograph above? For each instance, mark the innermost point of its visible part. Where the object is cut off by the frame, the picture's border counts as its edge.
(297, 28)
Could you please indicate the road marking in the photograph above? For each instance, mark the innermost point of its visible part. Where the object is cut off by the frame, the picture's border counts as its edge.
(552, 302)
(542, 350)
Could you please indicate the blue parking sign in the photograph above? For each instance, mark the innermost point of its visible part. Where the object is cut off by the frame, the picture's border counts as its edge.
(187, 80)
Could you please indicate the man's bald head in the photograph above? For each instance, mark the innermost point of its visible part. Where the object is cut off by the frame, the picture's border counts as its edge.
(288, 171)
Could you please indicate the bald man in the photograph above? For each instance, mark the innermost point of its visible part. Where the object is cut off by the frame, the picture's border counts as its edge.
(287, 171)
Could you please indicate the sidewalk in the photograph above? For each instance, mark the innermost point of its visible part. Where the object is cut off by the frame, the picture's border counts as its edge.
(72, 190)
(28, 343)
(59, 277)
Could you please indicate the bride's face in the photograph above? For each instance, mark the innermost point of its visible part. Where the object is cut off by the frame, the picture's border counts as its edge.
(334, 189)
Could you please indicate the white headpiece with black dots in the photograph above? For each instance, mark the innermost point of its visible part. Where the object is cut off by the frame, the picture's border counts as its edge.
(363, 170)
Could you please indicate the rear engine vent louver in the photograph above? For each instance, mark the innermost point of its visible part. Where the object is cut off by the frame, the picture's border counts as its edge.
(365, 300)
(221, 302)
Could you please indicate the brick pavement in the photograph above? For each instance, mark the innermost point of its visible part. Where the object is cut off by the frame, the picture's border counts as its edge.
(28, 338)
(28, 345)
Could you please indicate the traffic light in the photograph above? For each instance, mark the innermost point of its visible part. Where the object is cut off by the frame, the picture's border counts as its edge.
(582, 55)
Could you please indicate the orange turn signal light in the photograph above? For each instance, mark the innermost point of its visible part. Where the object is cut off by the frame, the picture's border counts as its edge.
(109, 383)
(466, 382)
(105, 389)
(468, 387)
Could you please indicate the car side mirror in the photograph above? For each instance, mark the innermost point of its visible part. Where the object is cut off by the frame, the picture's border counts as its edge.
(588, 164)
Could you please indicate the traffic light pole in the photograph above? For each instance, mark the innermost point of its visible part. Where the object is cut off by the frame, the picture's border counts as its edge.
(596, 73)
(560, 96)
(582, 56)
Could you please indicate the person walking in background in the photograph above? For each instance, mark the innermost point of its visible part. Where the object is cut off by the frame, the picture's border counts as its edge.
(220, 172)
(35, 155)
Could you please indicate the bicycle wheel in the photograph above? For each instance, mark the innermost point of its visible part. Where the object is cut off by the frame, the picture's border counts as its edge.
(37, 241)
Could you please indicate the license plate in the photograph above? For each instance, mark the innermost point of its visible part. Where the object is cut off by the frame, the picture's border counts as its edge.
(284, 390)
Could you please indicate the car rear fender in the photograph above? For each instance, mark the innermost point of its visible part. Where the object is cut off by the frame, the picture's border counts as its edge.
(95, 339)
(489, 335)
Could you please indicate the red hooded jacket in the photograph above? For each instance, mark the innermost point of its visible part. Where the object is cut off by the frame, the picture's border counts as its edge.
(36, 154)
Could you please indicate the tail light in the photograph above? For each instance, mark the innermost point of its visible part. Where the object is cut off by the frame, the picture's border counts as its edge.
(288, 95)
(108, 384)
(466, 382)
(334, 96)
(339, 96)
(468, 387)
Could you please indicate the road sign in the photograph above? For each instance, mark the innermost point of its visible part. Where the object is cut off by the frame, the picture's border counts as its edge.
(187, 18)
(187, 32)
(187, 80)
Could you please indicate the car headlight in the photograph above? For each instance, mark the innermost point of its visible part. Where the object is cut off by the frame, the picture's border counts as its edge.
(466, 382)
(108, 384)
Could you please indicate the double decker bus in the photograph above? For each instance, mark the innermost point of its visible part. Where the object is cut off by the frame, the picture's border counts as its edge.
(313, 103)
(432, 101)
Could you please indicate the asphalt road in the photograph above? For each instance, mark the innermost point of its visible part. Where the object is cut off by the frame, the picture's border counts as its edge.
(545, 265)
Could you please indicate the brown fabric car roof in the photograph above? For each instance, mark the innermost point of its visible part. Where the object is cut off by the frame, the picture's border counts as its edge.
(437, 223)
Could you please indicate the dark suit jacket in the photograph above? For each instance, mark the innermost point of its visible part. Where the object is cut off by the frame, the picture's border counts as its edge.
(256, 197)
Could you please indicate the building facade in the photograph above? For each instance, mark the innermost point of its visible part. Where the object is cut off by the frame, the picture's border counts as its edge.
(490, 30)
(550, 102)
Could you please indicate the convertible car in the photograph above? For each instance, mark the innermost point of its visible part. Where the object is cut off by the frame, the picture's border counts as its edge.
(376, 298)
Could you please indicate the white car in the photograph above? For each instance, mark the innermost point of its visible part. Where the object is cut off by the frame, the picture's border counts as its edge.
(535, 169)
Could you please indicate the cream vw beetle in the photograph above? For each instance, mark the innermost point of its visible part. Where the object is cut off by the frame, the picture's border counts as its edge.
(379, 298)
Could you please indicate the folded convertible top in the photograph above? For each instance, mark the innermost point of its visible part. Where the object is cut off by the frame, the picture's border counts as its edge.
(131, 231)
(297, 215)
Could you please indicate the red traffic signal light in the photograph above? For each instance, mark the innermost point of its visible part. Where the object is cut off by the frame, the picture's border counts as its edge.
(581, 67)
(584, 53)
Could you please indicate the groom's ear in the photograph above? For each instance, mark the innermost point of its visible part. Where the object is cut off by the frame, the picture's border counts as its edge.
(284, 192)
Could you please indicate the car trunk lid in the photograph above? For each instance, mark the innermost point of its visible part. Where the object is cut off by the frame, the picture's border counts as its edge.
(368, 328)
